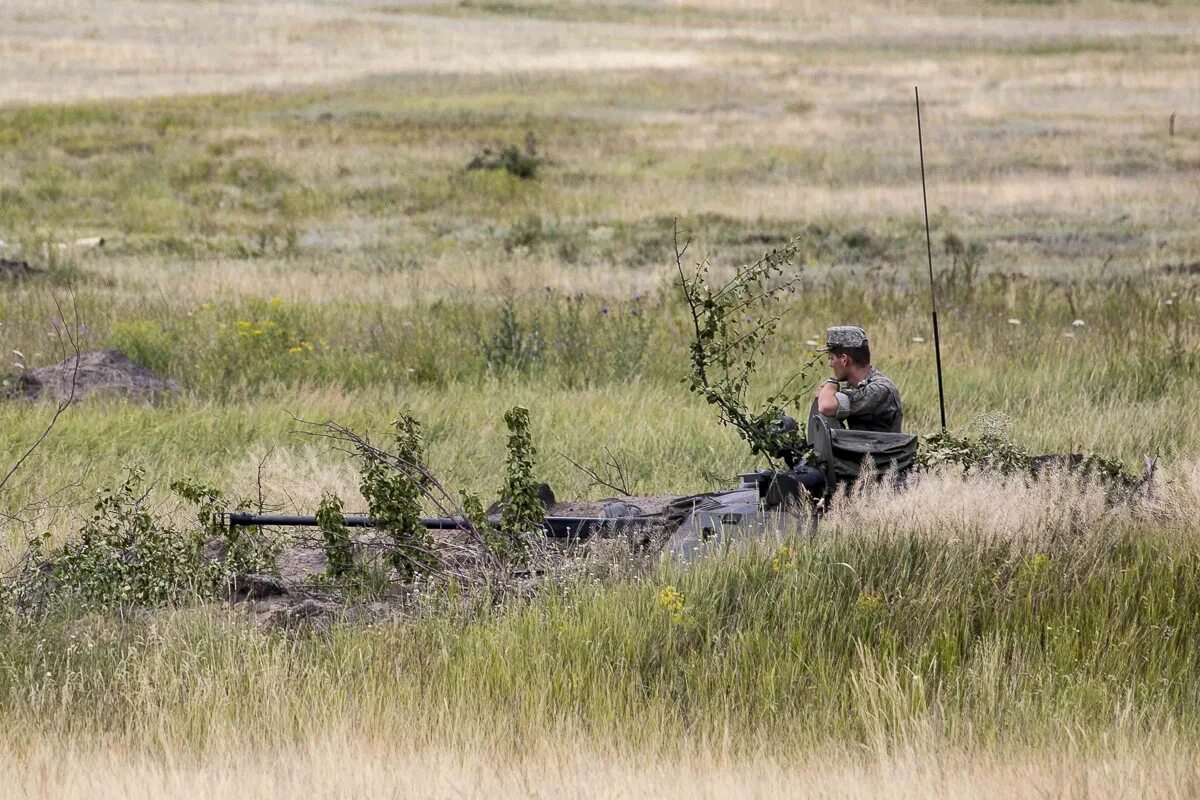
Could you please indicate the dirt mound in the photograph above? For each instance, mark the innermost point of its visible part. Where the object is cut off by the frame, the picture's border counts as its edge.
(16, 270)
(107, 373)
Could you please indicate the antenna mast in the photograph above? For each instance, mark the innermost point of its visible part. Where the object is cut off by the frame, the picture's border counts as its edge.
(937, 339)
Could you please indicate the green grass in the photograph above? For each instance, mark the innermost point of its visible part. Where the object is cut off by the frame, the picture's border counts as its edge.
(875, 635)
(1119, 385)
(324, 253)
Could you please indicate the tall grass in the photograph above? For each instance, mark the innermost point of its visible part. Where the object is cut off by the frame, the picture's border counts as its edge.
(595, 371)
(960, 611)
(962, 636)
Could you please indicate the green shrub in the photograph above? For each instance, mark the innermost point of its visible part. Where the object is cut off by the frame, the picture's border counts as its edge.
(244, 552)
(522, 163)
(523, 510)
(338, 549)
(393, 485)
(526, 232)
(122, 557)
(512, 344)
(254, 174)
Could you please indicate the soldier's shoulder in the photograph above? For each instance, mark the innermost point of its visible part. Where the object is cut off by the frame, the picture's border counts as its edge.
(883, 380)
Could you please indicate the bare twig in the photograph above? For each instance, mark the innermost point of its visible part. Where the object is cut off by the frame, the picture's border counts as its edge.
(616, 478)
(50, 502)
(63, 405)
(434, 492)
(258, 479)
(688, 296)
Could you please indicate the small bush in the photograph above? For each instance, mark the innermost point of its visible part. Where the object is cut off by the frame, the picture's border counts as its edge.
(523, 163)
(513, 344)
(244, 552)
(338, 552)
(253, 173)
(394, 487)
(523, 510)
(526, 232)
(122, 557)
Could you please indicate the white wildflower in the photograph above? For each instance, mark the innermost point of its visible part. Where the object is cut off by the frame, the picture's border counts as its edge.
(1078, 323)
(918, 339)
(1014, 321)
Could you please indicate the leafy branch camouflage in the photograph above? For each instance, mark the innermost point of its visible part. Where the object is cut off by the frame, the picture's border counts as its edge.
(523, 511)
(338, 552)
(244, 551)
(124, 557)
(732, 323)
(394, 488)
(991, 448)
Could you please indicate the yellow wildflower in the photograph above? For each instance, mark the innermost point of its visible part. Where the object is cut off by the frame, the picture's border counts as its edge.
(672, 600)
(245, 325)
(784, 559)
(869, 602)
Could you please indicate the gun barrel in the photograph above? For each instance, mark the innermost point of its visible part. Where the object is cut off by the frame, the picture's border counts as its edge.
(238, 518)
(553, 527)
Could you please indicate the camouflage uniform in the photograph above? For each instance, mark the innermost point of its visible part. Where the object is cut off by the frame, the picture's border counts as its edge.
(873, 404)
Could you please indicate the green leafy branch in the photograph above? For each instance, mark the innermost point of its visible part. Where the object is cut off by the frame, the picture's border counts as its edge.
(732, 323)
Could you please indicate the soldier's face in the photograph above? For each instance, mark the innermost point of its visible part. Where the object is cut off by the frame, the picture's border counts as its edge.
(838, 363)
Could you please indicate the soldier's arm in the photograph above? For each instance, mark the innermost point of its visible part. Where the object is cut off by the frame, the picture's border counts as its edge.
(861, 401)
(827, 399)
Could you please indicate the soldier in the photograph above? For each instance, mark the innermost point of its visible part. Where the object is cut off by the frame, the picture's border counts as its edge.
(858, 393)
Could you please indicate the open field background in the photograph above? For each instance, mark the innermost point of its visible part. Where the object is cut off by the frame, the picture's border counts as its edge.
(290, 229)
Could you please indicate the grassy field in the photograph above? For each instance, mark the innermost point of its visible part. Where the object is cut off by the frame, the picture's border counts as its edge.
(291, 229)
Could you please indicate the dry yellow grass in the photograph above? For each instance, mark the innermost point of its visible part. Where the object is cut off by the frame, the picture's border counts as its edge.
(1033, 114)
(61, 50)
(338, 767)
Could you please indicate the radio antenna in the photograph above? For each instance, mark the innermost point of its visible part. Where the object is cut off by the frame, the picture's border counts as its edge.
(937, 339)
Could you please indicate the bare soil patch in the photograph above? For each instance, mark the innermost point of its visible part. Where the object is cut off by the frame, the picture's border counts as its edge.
(16, 270)
(107, 373)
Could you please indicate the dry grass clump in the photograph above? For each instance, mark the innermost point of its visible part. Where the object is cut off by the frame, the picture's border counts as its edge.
(345, 765)
(985, 507)
(975, 623)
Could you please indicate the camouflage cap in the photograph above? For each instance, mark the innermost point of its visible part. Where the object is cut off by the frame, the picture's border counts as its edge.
(847, 336)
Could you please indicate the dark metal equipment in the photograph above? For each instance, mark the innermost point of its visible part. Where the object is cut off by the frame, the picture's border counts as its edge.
(757, 492)
(570, 528)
